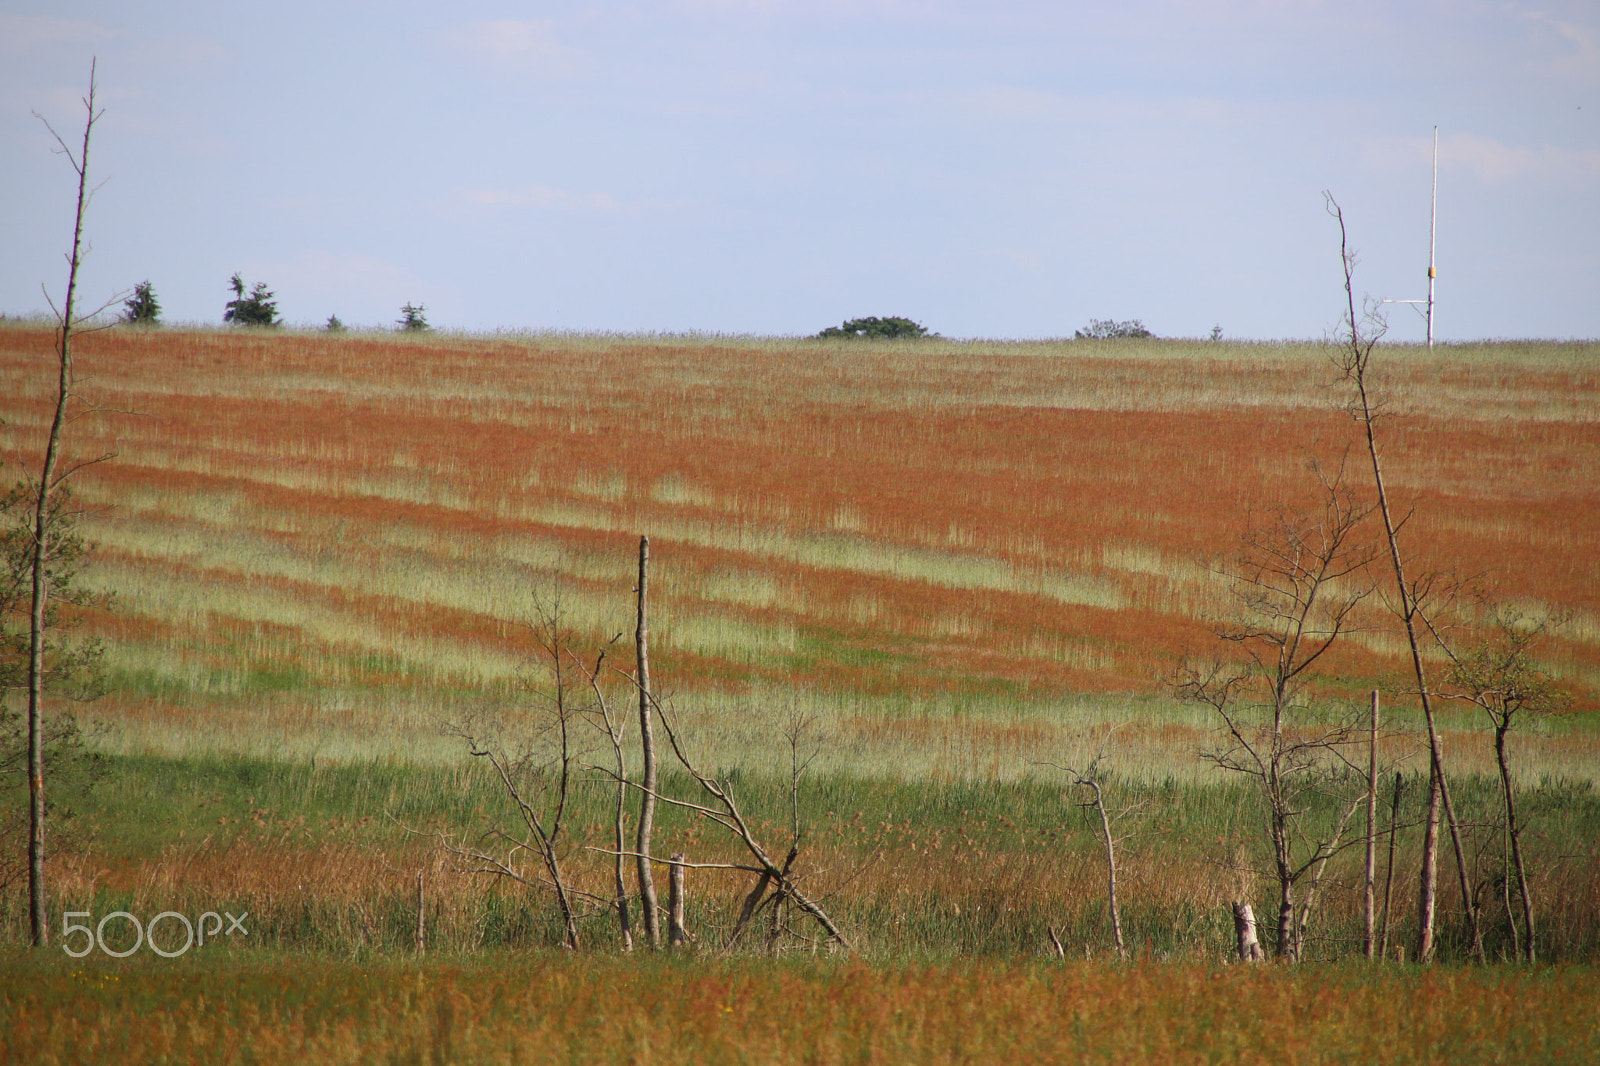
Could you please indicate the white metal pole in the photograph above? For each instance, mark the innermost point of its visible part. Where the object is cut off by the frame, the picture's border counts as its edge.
(1433, 233)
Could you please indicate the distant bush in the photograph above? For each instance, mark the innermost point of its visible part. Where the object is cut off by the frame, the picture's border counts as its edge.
(142, 308)
(334, 325)
(1105, 329)
(260, 308)
(876, 327)
(413, 319)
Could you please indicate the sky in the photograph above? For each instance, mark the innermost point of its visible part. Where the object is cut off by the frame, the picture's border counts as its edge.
(999, 169)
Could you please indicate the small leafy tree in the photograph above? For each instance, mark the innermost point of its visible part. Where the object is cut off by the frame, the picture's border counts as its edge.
(891, 328)
(413, 319)
(1106, 329)
(142, 308)
(334, 325)
(71, 669)
(259, 309)
(41, 542)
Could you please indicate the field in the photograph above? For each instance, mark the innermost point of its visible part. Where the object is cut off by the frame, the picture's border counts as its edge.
(966, 564)
(603, 1010)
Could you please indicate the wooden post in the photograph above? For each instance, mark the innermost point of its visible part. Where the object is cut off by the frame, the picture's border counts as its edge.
(422, 925)
(647, 742)
(1244, 927)
(1388, 873)
(1368, 940)
(677, 935)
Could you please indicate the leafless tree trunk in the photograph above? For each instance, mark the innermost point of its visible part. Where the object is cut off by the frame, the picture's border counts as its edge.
(727, 814)
(1317, 867)
(422, 923)
(545, 840)
(677, 901)
(752, 903)
(614, 728)
(1368, 914)
(1388, 866)
(1090, 779)
(39, 922)
(1244, 928)
(1354, 363)
(782, 881)
(1111, 866)
(1514, 834)
(647, 742)
(1500, 678)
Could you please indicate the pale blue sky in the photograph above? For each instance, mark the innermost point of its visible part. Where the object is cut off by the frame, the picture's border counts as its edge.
(1002, 169)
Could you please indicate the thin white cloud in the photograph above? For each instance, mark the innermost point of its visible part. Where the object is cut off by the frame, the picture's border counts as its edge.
(1488, 159)
(32, 74)
(1582, 59)
(21, 33)
(528, 45)
(541, 197)
(1492, 161)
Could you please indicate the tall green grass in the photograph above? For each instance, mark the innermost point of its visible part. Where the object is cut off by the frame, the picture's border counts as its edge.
(316, 852)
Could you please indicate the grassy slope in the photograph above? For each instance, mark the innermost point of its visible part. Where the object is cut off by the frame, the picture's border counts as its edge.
(963, 559)
(317, 542)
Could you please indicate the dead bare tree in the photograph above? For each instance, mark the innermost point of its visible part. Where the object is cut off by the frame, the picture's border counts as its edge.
(677, 902)
(1090, 779)
(1244, 932)
(647, 783)
(798, 733)
(781, 879)
(1298, 585)
(47, 513)
(777, 884)
(1359, 338)
(1388, 866)
(420, 936)
(615, 728)
(1500, 677)
(536, 765)
(1369, 870)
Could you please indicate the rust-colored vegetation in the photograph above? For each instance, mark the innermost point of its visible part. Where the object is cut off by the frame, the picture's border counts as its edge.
(967, 560)
(352, 515)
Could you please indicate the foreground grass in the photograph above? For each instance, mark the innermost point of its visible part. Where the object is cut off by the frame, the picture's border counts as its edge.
(912, 869)
(542, 1007)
